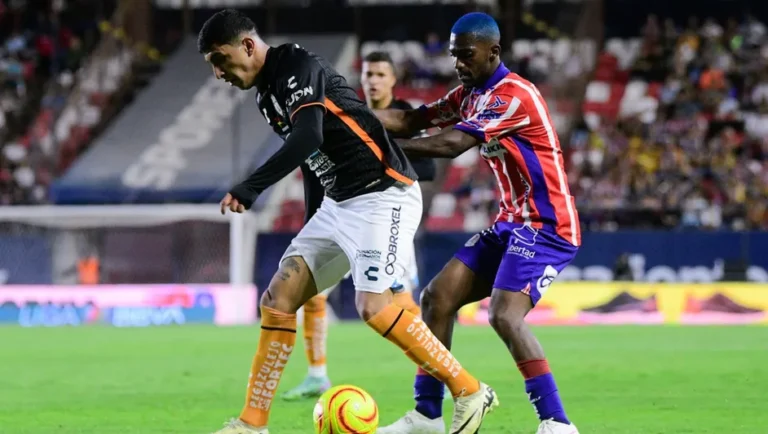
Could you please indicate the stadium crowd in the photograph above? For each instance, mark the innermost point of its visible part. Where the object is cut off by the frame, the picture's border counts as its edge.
(42, 42)
(697, 146)
(689, 152)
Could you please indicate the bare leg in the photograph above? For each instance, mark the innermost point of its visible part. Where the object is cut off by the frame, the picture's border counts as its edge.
(455, 286)
(507, 316)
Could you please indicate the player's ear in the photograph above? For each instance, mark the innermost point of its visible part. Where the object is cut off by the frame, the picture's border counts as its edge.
(495, 52)
(249, 45)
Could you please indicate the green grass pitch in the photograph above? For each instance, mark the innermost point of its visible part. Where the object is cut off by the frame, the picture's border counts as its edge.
(614, 380)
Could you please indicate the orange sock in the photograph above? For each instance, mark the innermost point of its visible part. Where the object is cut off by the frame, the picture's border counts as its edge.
(404, 299)
(278, 335)
(410, 333)
(315, 333)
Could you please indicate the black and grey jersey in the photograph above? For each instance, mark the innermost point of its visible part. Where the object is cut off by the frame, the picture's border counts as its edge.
(356, 156)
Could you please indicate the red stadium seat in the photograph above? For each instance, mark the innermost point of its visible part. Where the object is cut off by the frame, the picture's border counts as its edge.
(453, 177)
(445, 224)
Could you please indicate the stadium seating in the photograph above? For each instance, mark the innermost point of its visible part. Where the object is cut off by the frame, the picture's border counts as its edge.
(616, 96)
(42, 136)
(448, 212)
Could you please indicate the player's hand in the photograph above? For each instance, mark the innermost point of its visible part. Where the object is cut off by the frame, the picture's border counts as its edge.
(229, 202)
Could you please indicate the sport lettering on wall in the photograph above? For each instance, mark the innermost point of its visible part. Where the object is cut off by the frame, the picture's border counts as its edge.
(194, 128)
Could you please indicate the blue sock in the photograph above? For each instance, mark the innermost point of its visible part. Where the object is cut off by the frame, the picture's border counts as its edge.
(542, 392)
(428, 392)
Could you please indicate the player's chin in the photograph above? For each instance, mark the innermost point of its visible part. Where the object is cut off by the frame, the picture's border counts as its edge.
(466, 80)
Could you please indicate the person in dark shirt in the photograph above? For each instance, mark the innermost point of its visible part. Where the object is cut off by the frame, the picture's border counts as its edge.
(371, 207)
(378, 80)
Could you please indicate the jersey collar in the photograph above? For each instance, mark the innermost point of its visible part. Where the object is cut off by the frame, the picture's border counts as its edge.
(267, 71)
(500, 73)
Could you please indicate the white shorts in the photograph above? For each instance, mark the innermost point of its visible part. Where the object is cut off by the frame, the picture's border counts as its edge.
(370, 235)
(410, 282)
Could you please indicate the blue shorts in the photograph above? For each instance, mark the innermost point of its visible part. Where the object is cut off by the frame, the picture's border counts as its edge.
(517, 258)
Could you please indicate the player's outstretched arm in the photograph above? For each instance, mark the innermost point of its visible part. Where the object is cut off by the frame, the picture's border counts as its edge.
(449, 143)
(306, 138)
(403, 122)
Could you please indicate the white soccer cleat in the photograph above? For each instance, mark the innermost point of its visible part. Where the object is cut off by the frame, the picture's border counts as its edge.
(469, 411)
(237, 426)
(414, 423)
(552, 427)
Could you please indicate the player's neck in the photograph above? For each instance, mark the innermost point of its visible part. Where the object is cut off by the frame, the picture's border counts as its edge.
(260, 59)
(494, 68)
(382, 103)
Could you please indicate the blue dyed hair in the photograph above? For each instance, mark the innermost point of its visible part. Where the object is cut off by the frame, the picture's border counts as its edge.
(480, 25)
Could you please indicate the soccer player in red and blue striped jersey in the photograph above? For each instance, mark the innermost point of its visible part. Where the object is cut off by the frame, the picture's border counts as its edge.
(536, 233)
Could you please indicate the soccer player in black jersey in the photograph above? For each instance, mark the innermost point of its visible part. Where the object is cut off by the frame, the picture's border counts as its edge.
(363, 205)
(378, 80)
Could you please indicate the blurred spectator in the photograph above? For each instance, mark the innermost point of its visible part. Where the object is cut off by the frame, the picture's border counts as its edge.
(476, 196)
(622, 272)
(701, 159)
(39, 40)
(689, 151)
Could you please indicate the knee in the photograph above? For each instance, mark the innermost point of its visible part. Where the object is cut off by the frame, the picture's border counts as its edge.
(369, 304)
(433, 302)
(505, 321)
(272, 300)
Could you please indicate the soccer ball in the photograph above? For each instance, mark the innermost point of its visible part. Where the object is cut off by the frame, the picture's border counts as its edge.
(346, 409)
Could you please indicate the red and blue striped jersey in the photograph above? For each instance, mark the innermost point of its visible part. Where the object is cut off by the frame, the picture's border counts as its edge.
(510, 118)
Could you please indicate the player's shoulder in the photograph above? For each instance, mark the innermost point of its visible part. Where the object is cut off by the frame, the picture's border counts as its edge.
(516, 86)
(293, 56)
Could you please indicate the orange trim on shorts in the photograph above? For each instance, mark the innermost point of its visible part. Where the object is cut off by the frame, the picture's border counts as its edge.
(293, 113)
(355, 127)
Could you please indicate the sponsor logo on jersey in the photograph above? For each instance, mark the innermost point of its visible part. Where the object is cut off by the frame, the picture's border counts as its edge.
(394, 233)
(297, 95)
(492, 149)
(497, 103)
(523, 238)
(368, 254)
(546, 279)
(321, 164)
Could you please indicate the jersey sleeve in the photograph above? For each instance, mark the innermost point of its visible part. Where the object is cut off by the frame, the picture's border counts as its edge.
(303, 82)
(445, 111)
(501, 114)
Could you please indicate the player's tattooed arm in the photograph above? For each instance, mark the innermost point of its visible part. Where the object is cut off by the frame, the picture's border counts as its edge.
(403, 122)
(449, 143)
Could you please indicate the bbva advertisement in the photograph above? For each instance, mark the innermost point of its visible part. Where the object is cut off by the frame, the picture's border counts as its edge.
(127, 305)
